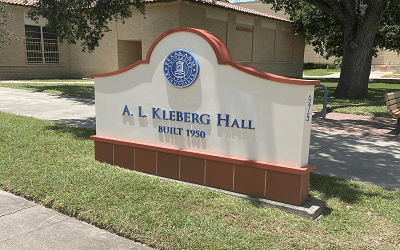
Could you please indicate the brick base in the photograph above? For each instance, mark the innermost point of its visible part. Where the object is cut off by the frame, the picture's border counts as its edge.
(280, 183)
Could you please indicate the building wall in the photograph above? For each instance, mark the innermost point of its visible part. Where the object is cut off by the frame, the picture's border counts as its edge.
(103, 59)
(264, 40)
(263, 43)
(200, 16)
(266, 44)
(311, 56)
(139, 28)
(13, 62)
(128, 52)
(385, 57)
(158, 19)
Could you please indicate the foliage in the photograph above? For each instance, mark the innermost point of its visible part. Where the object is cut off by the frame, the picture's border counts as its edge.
(325, 31)
(5, 36)
(83, 90)
(338, 62)
(84, 20)
(311, 65)
(346, 29)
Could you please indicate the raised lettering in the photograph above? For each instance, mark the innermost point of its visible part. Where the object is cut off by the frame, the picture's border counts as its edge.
(243, 124)
(187, 116)
(195, 117)
(226, 120)
(166, 130)
(154, 112)
(250, 125)
(235, 123)
(140, 112)
(207, 120)
(179, 116)
(180, 130)
(126, 110)
(172, 115)
(163, 115)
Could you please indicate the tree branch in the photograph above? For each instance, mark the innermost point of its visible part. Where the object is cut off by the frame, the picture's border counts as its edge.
(340, 10)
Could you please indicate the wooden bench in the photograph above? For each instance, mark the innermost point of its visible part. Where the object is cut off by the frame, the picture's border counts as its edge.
(393, 105)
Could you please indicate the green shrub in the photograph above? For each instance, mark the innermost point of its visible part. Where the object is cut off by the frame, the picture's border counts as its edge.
(311, 65)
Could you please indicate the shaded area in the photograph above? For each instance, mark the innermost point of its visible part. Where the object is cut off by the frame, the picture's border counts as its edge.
(48, 106)
(84, 123)
(342, 189)
(360, 158)
(78, 131)
(377, 127)
(72, 89)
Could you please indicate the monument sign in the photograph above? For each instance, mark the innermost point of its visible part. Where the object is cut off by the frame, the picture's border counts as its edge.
(189, 112)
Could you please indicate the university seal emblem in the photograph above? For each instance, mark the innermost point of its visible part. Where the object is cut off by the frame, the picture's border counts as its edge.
(181, 68)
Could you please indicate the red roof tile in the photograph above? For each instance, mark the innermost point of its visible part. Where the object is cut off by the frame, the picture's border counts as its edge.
(21, 2)
(222, 4)
(239, 8)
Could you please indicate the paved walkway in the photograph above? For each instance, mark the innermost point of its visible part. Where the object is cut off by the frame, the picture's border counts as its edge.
(373, 75)
(66, 109)
(26, 225)
(354, 147)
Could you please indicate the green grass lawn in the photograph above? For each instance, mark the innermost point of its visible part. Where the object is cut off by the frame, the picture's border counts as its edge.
(394, 74)
(84, 90)
(58, 170)
(375, 106)
(319, 72)
(58, 80)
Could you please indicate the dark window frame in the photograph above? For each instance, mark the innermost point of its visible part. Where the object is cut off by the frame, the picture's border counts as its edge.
(42, 45)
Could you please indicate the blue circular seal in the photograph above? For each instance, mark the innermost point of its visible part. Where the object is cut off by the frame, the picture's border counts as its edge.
(181, 68)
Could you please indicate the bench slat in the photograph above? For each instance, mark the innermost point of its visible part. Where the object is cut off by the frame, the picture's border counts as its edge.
(393, 107)
(395, 113)
(393, 101)
(390, 96)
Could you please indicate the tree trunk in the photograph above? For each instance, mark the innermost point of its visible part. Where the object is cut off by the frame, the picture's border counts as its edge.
(359, 36)
(356, 68)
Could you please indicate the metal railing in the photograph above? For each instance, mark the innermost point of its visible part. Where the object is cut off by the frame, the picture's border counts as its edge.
(325, 100)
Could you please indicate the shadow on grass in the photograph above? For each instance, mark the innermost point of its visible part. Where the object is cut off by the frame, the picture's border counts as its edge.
(76, 90)
(77, 132)
(345, 190)
(386, 81)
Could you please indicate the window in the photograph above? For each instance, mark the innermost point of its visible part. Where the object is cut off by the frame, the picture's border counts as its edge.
(41, 45)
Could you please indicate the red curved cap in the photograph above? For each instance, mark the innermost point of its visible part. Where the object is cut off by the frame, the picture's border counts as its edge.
(223, 57)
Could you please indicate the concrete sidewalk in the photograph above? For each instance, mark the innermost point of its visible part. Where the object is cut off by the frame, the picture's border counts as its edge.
(356, 147)
(65, 109)
(26, 225)
(373, 75)
(349, 146)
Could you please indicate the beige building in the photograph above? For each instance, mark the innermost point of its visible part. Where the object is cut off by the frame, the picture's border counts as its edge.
(261, 40)
(384, 58)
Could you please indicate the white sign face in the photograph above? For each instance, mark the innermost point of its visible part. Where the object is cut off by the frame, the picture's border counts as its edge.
(225, 110)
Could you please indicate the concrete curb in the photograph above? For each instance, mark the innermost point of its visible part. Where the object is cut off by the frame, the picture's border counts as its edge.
(311, 209)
